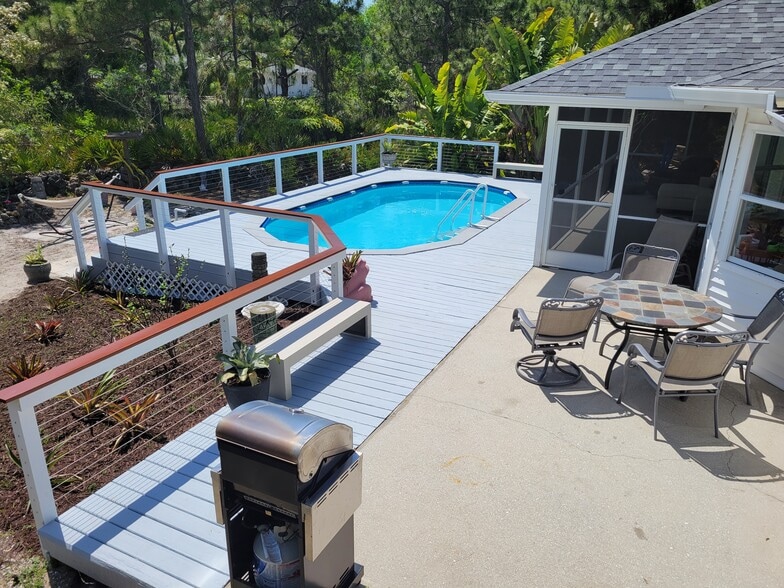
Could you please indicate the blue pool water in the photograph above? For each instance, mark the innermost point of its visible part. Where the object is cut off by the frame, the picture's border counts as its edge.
(391, 215)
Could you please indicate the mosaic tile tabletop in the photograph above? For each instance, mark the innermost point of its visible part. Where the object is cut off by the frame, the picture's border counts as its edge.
(655, 305)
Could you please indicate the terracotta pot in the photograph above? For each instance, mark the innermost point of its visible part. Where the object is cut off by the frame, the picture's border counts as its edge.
(237, 395)
(38, 272)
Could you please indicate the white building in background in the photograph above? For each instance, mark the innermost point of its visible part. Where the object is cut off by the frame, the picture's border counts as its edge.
(301, 83)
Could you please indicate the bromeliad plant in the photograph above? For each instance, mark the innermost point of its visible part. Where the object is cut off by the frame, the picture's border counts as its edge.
(93, 399)
(245, 365)
(131, 417)
(46, 331)
(24, 367)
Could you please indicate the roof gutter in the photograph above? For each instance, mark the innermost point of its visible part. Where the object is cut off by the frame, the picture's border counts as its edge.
(651, 97)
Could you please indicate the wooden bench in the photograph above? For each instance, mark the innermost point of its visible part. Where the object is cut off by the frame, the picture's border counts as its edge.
(339, 316)
(529, 167)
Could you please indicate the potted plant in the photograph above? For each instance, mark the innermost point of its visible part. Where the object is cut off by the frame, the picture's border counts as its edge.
(355, 271)
(388, 156)
(36, 267)
(246, 373)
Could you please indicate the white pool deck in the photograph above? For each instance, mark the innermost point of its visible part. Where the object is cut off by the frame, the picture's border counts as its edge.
(154, 525)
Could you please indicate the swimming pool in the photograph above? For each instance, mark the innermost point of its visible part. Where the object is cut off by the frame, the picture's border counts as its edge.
(392, 215)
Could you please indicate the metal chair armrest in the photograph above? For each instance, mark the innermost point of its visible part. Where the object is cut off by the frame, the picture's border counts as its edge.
(740, 316)
(637, 350)
(519, 316)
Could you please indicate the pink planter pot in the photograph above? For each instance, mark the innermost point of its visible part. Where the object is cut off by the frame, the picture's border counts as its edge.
(355, 287)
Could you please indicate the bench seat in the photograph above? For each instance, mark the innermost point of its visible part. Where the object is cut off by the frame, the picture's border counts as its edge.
(295, 342)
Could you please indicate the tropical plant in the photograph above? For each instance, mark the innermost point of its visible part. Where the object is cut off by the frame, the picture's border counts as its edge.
(461, 112)
(53, 455)
(131, 316)
(24, 367)
(82, 282)
(58, 302)
(245, 366)
(36, 256)
(350, 264)
(46, 331)
(546, 42)
(93, 398)
(131, 417)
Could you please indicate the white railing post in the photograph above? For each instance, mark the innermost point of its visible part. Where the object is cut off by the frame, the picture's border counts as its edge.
(320, 165)
(160, 216)
(313, 248)
(439, 155)
(336, 271)
(353, 159)
(226, 183)
(228, 249)
(496, 151)
(100, 229)
(278, 176)
(31, 454)
(228, 328)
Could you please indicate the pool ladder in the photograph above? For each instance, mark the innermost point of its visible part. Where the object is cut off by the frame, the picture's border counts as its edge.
(467, 199)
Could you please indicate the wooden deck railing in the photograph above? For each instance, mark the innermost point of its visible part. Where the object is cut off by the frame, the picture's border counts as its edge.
(23, 398)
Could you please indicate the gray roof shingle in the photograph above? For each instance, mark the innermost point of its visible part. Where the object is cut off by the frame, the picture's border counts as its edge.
(733, 43)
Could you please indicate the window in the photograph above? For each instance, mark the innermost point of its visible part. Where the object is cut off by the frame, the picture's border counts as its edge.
(759, 236)
(304, 80)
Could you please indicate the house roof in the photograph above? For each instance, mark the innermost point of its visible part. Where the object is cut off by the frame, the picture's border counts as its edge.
(731, 44)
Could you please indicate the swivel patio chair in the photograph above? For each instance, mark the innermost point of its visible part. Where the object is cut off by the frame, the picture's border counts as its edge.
(696, 365)
(761, 328)
(561, 324)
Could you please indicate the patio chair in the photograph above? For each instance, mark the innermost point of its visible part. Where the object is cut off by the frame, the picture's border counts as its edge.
(561, 324)
(61, 207)
(640, 262)
(696, 365)
(761, 328)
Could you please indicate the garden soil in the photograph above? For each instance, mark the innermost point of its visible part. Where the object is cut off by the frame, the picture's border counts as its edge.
(88, 321)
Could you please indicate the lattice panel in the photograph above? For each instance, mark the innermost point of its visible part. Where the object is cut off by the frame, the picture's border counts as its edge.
(133, 279)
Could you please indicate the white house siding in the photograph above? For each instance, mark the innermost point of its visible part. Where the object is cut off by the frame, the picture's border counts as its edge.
(739, 289)
(296, 88)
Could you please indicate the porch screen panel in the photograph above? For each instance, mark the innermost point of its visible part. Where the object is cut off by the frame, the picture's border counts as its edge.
(578, 228)
(587, 165)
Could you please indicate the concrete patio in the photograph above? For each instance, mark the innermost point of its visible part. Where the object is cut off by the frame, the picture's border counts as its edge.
(480, 478)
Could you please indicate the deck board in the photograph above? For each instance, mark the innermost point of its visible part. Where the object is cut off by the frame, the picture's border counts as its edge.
(154, 524)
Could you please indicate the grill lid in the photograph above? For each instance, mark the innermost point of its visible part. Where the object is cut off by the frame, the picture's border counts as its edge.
(287, 434)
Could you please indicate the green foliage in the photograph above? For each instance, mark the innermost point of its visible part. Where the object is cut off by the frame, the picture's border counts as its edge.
(461, 112)
(131, 417)
(350, 264)
(244, 363)
(52, 455)
(36, 256)
(82, 282)
(93, 398)
(58, 302)
(24, 367)
(131, 317)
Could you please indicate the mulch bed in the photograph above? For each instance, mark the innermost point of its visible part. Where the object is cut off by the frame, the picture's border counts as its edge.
(88, 451)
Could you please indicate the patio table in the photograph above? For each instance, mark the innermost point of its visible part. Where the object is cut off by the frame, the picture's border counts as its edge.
(635, 306)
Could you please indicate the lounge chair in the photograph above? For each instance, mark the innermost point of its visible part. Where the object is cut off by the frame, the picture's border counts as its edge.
(561, 324)
(63, 209)
(696, 365)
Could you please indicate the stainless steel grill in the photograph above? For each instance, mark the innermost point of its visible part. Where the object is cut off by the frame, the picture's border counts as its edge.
(287, 491)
